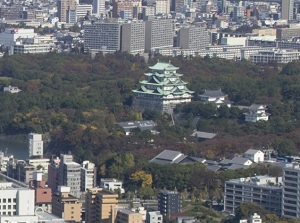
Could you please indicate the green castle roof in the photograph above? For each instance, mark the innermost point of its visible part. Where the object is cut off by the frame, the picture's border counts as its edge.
(163, 66)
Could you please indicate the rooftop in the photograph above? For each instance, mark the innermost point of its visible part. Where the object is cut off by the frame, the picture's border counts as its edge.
(213, 93)
(163, 66)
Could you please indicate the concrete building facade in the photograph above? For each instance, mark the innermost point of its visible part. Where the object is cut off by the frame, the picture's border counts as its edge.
(99, 205)
(88, 175)
(133, 37)
(263, 190)
(193, 38)
(102, 37)
(287, 7)
(65, 205)
(158, 33)
(35, 145)
(62, 7)
(169, 202)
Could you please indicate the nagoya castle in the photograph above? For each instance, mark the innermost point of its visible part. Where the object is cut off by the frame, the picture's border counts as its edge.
(162, 90)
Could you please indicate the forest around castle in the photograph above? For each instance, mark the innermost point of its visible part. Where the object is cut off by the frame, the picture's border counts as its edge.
(76, 101)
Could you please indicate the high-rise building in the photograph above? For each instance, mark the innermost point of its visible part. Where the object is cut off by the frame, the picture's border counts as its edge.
(287, 9)
(65, 205)
(102, 37)
(119, 6)
(133, 37)
(62, 7)
(162, 6)
(193, 37)
(291, 191)
(99, 8)
(88, 175)
(16, 200)
(35, 145)
(265, 191)
(158, 33)
(70, 174)
(169, 202)
(53, 171)
(162, 90)
(82, 10)
(99, 205)
(71, 15)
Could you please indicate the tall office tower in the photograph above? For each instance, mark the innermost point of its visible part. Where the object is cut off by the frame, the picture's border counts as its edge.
(88, 175)
(102, 37)
(65, 205)
(16, 200)
(99, 8)
(224, 6)
(162, 6)
(62, 7)
(169, 202)
(158, 33)
(99, 205)
(193, 38)
(119, 6)
(35, 145)
(71, 15)
(70, 174)
(133, 37)
(287, 8)
(291, 191)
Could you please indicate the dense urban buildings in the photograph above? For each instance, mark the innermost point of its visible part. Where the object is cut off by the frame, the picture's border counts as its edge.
(162, 90)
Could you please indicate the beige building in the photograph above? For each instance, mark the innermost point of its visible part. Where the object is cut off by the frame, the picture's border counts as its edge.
(265, 32)
(62, 8)
(66, 206)
(99, 205)
(127, 216)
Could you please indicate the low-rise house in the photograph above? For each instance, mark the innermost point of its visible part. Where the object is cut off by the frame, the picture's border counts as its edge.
(255, 155)
(142, 125)
(11, 89)
(241, 161)
(112, 184)
(154, 217)
(256, 113)
(215, 97)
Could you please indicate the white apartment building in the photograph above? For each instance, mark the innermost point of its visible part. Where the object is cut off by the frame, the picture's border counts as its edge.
(16, 200)
(10, 35)
(154, 217)
(279, 56)
(70, 174)
(20, 48)
(99, 8)
(35, 145)
(263, 190)
(112, 184)
(291, 191)
(162, 6)
(158, 33)
(82, 10)
(88, 175)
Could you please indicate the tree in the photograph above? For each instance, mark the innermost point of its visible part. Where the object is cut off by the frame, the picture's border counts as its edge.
(141, 178)
(246, 209)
